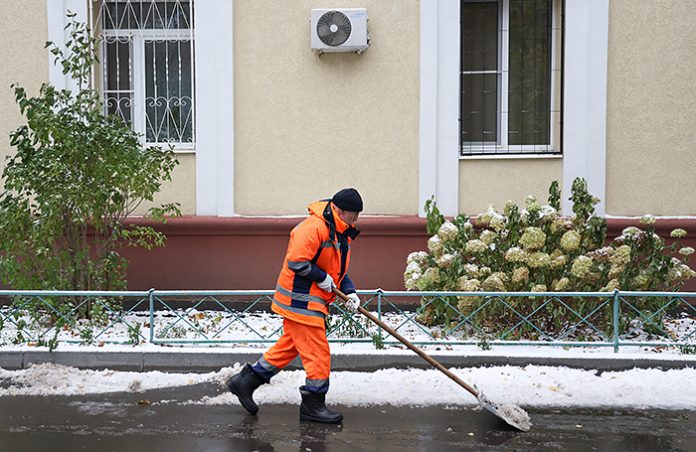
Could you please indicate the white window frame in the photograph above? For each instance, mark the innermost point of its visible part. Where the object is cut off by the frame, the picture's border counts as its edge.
(214, 70)
(584, 94)
(501, 146)
(137, 39)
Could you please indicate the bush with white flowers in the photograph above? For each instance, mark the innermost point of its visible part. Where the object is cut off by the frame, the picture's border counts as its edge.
(535, 249)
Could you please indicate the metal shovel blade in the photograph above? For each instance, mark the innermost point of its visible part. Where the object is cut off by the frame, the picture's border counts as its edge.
(513, 415)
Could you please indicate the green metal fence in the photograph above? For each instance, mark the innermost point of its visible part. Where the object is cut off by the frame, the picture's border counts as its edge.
(562, 319)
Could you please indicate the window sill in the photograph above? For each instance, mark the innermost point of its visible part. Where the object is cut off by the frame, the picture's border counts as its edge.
(510, 156)
(178, 149)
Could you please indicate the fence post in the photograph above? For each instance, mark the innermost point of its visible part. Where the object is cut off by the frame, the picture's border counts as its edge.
(151, 297)
(616, 320)
(379, 313)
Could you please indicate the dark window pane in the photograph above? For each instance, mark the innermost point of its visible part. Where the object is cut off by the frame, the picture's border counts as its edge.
(117, 66)
(479, 111)
(529, 79)
(479, 28)
(168, 91)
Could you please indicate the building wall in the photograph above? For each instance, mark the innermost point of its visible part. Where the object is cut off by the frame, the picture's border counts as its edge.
(181, 189)
(651, 110)
(24, 59)
(308, 125)
(485, 182)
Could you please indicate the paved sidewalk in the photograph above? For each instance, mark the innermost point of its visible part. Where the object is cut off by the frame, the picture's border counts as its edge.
(206, 360)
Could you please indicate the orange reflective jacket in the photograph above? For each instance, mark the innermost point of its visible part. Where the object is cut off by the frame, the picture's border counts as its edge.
(318, 245)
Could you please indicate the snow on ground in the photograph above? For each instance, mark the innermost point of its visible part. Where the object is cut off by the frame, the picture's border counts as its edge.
(529, 386)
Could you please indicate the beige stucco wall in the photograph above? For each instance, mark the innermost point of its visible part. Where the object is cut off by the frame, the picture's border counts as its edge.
(24, 60)
(181, 189)
(651, 107)
(484, 182)
(306, 126)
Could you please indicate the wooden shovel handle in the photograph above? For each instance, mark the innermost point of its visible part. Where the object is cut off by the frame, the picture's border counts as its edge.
(404, 341)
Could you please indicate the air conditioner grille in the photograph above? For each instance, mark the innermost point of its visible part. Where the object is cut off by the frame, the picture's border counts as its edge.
(333, 28)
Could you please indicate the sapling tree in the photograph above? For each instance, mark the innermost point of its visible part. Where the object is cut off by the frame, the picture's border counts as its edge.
(75, 177)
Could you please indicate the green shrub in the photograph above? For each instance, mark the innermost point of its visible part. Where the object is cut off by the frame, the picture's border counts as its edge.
(535, 249)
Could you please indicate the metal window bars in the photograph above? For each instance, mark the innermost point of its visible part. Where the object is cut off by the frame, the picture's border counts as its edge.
(557, 319)
(510, 77)
(147, 66)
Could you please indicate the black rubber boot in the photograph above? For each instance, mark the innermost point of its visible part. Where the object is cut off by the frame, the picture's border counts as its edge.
(313, 409)
(243, 386)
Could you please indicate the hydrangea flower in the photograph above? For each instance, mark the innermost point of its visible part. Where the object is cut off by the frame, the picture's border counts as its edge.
(533, 238)
(419, 257)
(531, 204)
(413, 267)
(430, 278)
(581, 266)
(484, 220)
(445, 261)
(548, 214)
(561, 285)
(435, 246)
(448, 231)
(558, 261)
(678, 233)
(411, 275)
(468, 285)
(615, 271)
(631, 231)
(509, 207)
(520, 274)
(570, 241)
(494, 283)
(411, 281)
(466, 304)
(621, 255)
(539, 288)
(487, 236)
(515, 254)
(686, 251)
(647, 219)
(560, 224)
(538, 260)
(471, 269)
(497, 223)
(475, 246)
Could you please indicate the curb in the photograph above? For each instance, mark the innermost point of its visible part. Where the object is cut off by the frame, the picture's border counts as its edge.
(209, 362)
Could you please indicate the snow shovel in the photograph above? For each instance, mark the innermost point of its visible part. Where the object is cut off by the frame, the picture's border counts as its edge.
(513, 415)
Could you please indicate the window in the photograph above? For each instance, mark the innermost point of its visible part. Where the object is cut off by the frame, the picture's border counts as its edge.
(147, 66)
(510, 77)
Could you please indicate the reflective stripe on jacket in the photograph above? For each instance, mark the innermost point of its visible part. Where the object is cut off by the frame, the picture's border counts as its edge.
(318, 245)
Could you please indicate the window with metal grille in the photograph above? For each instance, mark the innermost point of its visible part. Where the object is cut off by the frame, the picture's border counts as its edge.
(510, 77)
(147, 66)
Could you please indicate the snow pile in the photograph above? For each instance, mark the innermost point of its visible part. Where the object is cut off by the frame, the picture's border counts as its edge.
(54, 379)
(530, 386)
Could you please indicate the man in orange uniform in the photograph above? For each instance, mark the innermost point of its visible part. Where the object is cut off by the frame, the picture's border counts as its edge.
(316, 262)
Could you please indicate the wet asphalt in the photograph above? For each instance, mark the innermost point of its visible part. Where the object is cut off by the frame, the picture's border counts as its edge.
(158, 420)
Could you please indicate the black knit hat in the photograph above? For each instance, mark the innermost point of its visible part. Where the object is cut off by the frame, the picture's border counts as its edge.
(348, 199)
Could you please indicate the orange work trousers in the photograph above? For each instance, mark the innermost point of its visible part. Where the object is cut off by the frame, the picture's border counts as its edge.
(311, 344)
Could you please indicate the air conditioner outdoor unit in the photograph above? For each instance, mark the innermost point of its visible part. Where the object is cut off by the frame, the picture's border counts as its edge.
(339, 30)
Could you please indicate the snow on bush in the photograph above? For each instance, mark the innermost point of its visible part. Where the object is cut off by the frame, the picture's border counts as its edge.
(534, 249)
